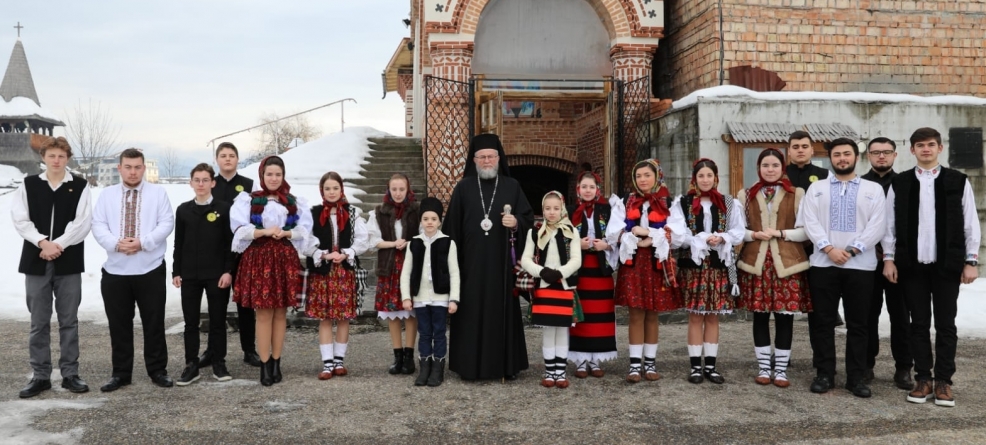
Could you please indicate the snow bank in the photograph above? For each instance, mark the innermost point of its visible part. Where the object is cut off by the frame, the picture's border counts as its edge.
(343, 153)
(10, 176)
(735, 91)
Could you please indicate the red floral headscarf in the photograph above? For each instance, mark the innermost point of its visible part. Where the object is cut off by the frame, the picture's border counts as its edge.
(655, 196)
(586, 207)
(341, 205)
(713, 194)
(784, 182)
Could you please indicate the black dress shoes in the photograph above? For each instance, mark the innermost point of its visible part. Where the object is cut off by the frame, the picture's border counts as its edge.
(35, 387)
(250, 358)
(163, 380)
(902, 378)
(822, 384)
(75, 384)
(114, 384)
(858, 389)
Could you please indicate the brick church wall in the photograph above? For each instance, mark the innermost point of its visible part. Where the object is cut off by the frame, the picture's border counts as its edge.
(884, 46)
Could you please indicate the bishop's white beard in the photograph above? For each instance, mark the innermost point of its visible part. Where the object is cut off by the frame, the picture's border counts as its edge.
(486, 173)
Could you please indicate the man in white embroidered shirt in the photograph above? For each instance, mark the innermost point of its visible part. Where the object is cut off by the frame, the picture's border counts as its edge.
(52, 213)
(843, 216)
(132, 221)
(931, 246)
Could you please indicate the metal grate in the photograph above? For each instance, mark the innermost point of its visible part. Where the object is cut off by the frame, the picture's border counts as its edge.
(448, 130)
(633, 132)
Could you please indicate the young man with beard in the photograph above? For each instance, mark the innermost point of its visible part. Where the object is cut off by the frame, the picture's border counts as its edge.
(487, 336)
(229, 184)
(932, 246)
(132, 221)
(52, 212)
(882, 152)
(844, 217)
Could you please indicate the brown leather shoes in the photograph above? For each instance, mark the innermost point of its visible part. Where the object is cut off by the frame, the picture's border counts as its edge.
(943, 394)
(922, 392)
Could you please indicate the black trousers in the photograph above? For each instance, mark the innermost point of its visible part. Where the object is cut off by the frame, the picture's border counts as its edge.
(120, 294)
(925, 287)
(900, 322)
(191, 302)
(854, 287)
(246, 318)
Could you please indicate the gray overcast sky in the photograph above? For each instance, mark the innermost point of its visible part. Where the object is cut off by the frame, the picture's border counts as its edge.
(177, 73)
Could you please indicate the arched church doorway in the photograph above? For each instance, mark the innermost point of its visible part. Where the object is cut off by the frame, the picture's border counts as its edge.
(536, 181)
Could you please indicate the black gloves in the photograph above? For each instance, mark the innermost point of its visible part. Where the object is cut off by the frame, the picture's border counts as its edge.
(550, 275)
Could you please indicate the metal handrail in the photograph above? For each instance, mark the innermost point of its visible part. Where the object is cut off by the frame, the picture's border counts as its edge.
(342, 120)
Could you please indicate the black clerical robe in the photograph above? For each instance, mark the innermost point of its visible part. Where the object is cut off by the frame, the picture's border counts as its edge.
(487, 333)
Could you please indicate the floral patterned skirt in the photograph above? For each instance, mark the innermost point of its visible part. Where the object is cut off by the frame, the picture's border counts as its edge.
(269, 275)
(706, 290)
(388, 297)
(768, 293)
(642, 287)
(332, 296)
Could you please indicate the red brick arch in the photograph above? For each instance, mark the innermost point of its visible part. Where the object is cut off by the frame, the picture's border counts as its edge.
(612, 13)
(561, 165)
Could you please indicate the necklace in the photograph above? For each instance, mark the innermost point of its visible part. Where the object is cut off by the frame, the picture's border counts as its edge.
(486, 224)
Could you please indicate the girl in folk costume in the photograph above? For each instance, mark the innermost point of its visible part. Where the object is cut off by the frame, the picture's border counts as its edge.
(553, 303)
(338, 236)
(706, 270)
(773, 262)
(270, 232)
(593, 341)
(391, 227)
(645, 231)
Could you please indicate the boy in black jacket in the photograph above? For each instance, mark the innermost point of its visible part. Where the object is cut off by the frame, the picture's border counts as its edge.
(203, 261)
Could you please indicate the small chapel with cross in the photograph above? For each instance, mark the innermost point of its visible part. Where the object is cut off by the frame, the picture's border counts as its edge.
(24, 124)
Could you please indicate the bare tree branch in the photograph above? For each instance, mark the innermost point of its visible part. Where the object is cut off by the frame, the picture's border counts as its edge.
(170, 163)
(92, 134)
(276, 137)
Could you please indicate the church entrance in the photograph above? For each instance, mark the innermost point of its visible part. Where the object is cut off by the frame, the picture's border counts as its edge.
(536, 181)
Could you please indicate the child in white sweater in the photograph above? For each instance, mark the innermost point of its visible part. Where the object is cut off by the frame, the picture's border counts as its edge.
(557, 246)
(430, 285)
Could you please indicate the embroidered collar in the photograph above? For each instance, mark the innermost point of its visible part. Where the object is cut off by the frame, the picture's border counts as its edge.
(933, 172)
(833, 179)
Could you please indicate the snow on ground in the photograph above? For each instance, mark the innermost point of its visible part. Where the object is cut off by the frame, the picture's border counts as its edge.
(10, 176)
(735, 91)
(17, 421)
(342, 152)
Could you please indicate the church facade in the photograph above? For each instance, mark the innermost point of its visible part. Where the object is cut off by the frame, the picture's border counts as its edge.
(574, 84)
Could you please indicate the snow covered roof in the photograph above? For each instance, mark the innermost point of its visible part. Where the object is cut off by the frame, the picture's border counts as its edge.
(735, 92)
(17, 81)
(22, 108)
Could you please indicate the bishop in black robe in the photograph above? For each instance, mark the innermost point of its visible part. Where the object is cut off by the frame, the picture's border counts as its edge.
(487, 333)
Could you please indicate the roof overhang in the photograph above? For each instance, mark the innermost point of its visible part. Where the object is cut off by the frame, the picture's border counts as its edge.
(754, 132)
(402, 59)
(32, 118)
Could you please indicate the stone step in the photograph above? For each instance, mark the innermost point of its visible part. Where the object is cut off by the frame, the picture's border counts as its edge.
(391, 152)
(382, 176)
(395, 165)
(394, 141)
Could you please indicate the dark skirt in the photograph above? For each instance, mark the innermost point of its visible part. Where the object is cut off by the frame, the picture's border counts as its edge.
(332, 296)
(595, 337)
(269, 275)
(642, 287)
(768, 293)
(706, 290)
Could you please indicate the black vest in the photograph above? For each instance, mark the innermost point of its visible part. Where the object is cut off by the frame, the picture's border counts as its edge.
(685, 257)
(949, 231)
(227, 190)
(325, 241)
(440, 276)
(44, 204)
(603, 210)
(562, 245)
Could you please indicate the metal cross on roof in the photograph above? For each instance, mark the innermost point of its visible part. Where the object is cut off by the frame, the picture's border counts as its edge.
(19, 28)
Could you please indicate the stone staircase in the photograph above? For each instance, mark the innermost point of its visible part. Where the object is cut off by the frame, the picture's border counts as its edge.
(388, 155)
